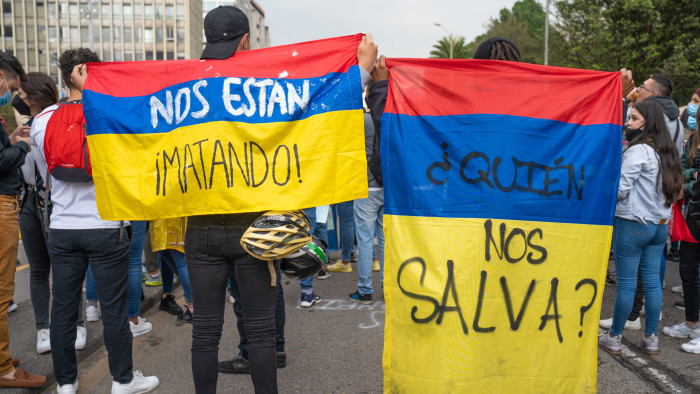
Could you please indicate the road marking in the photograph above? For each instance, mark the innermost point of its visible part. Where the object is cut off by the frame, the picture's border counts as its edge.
(376, 310)
(664, 379)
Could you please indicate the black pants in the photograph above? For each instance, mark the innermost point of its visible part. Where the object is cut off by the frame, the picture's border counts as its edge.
(71, 251)
(690, 259)
(212, 248)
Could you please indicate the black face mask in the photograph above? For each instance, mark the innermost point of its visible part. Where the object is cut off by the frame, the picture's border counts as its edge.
(21, 106)
(632, 134)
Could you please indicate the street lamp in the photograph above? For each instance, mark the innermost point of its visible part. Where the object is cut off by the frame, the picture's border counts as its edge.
(452, 39)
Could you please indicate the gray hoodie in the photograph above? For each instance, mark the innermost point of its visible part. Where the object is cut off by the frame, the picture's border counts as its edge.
(673, 122)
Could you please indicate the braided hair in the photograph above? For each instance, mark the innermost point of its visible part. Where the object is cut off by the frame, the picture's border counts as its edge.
(498, 48)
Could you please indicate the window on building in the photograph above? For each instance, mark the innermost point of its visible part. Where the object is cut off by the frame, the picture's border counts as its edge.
(116, 10)
(127, 11)
(159, 55)
(138, 56)
(62, 11)
(170, 55)
(84, 34)
(159, 34)
(51, 7)
(180, 12)
(52, 34)
(169, 12)
(73, 10)
(53, 59)
(8, 33)
(105, 11)
(118, 56)
(40, 9)
(106, 34)
(148, 11)
(148, 35)
(180, 34)
(41, 33)
(107, 55)
(159, 11)
(149, 55)
(95, 34)
(117, 33)
(127, 34)
(180, 55)
(169, 34)
(137, 10)
(128, 56)
(64, 34)
(73, 34)
(7, 9)
(138, 35)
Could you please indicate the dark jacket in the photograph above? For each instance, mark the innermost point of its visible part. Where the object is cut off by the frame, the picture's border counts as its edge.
(11, 158)
(376, 101)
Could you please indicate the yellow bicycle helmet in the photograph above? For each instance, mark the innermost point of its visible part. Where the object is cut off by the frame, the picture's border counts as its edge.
(276, 234)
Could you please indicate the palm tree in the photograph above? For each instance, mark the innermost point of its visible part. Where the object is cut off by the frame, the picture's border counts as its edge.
(451, 47)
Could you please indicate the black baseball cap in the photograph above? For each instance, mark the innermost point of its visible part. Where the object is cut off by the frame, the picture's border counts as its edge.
(224, 26)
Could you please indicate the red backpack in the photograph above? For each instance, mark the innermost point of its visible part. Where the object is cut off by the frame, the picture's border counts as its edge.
(65, 144)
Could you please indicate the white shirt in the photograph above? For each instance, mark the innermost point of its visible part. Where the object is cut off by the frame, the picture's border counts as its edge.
(74, 206)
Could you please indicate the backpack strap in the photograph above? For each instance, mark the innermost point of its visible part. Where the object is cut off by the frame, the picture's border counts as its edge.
(675, 136)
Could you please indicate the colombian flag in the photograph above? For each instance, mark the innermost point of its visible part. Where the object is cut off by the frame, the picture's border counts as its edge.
(500, 188)
(274, 128)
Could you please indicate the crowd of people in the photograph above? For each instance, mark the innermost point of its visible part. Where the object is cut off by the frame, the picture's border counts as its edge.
(66, 240)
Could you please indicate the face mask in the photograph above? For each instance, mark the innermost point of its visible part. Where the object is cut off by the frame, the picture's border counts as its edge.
(632, 134)
(692, 110)
(4, 100)
(21, 106)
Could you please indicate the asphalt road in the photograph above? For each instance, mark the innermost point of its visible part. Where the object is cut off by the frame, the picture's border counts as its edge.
(333, 347)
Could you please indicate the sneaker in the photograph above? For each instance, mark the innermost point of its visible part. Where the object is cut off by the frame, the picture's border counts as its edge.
(144, 273)
(13, 307)
(43, 342)
(68, 388)
(677, 289)
(629, 324)
(323, 274)
(679, 305)
(237, 365)
(309, 299)
(340, 266)
(231, 300)
(22, 378)
(375, 265)
(169, 305)
(682, 330)
(361, 298)
(692, 346)
(185, 317)
(353, 257)
(650, 345)
(143, 327)
(80, 338)
(612, 345)
(92, 312)
(609, 281)
(139, 384)
(154, 280)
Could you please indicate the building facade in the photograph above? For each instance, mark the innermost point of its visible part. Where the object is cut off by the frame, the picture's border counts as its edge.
(259, 32)
(38, 31)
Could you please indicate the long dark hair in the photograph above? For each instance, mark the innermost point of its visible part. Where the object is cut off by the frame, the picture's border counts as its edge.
(41, 88)
(655, 134)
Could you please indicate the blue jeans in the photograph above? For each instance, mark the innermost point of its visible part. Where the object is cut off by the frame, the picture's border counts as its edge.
(638, 247)
(135, 263)
(319, 230)
(174, 261)
(346, 219)
(369, 218)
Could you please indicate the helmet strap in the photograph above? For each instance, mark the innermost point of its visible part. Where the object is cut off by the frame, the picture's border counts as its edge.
(273, 273)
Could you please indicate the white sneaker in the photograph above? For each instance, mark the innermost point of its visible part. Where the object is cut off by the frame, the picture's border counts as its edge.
(677, 289)
(231, 300)
(92, 313)
(682, 330)
(692, 346)
(80, 338)
(629, 324)
(68, 388)
(43, 342)
(143, 327)
(139, 384)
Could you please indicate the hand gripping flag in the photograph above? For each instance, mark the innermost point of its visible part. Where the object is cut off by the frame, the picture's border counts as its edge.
(500, 188)
(274, 128)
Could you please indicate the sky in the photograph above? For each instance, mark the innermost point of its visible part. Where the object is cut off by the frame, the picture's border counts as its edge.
(403, 28)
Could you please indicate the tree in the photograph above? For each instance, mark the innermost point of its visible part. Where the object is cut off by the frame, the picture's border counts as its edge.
(451, 47)
(647, 36)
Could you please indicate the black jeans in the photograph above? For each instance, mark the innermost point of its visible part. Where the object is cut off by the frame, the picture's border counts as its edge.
(690, 258)
(280, 318)
(212, 249)
(71, 252)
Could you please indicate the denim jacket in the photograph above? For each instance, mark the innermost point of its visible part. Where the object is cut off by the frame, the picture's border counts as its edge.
(639, 198)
